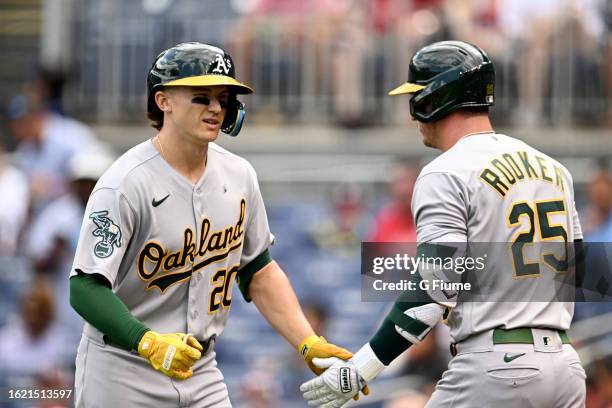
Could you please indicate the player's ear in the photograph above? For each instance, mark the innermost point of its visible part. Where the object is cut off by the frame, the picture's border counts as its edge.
(162, 100)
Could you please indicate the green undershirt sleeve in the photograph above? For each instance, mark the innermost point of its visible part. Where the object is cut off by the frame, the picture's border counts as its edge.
(245, 274)
(387, 343)
(92, 298)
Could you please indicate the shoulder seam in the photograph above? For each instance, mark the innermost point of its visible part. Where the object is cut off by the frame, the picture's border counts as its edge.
(122, 195)
(125, 175)
(451, 174)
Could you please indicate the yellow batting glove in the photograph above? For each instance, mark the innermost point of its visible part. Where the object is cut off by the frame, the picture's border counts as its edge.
(173, 354)
(317, 347)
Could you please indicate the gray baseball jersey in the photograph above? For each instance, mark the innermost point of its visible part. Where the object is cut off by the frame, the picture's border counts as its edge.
(493, 188)
(172, 249)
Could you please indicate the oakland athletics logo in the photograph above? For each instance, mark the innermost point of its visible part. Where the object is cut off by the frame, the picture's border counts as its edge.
(108, 230)
(223, 65)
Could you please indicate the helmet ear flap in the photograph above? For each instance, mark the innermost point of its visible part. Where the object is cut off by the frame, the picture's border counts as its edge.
(234, 116)
(421, 107)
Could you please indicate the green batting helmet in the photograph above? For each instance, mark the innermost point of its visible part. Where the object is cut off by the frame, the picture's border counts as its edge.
(446, 76)
(198, 64)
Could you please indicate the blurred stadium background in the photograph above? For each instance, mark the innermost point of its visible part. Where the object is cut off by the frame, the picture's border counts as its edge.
(335, 156)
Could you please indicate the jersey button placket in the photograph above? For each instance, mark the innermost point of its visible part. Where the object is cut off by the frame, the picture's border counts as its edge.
(193, 313)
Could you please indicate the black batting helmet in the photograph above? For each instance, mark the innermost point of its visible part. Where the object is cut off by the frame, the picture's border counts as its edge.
(446, 76)
(198, 64)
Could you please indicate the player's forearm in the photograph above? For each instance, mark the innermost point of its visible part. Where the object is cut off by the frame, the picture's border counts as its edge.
(387, 343)
(101, 308)
(276, 301)
(410, 319)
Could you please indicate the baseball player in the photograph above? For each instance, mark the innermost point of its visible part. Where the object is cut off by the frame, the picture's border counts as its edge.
(167, 230)
(484, 187)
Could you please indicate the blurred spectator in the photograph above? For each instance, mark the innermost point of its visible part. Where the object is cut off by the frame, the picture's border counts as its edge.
(575, 55)
(601, 395)
(274, 382)
(597, 221)
(312, 59)
(260, 386)
(341, 234)
(350, 46)
(276, 40)
(294, 371)
(53, 235)
(54, 380)
(14, 207)
(316, 314)
(422, 22)
(477, 22)
(559, 40)
(394, 222)
(606, 13)
(414, 24)
(49, 86)
(529, 26)
(45, 143)
(34, 345)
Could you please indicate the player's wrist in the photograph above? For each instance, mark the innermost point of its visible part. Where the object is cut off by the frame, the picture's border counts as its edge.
(146, 343)
(367, 363)
(136, 337)
(306, 344)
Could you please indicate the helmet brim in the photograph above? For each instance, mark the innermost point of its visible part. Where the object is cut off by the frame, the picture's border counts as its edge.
(406, 88)
(211, 80)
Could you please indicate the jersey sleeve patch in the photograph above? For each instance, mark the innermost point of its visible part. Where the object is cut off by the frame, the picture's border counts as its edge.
(108, 232)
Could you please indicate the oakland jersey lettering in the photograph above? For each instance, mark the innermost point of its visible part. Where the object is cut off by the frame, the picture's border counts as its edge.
(154, 260)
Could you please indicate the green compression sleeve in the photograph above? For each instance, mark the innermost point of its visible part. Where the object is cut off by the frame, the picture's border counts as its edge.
(245, 275)
(92, 298)
(387, 343)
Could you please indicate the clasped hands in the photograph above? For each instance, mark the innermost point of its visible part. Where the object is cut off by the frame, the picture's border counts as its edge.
(338, 380)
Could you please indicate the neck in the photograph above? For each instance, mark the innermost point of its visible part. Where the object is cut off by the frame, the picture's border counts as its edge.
(460, 124)
(186, 156)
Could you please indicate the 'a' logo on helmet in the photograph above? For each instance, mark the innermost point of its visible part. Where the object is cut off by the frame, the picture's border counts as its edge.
(223, 65)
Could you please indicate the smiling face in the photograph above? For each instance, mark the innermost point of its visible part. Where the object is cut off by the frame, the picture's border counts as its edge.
(194, 112)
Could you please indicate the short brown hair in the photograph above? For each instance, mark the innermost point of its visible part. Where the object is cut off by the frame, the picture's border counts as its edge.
(156, 118)
(154, 114)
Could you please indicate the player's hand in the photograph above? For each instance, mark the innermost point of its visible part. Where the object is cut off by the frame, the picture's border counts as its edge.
(173, 354)
(336, 386)
(317, 347)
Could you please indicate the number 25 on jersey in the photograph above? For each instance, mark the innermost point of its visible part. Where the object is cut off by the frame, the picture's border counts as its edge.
(537, 216)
